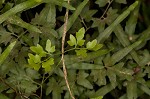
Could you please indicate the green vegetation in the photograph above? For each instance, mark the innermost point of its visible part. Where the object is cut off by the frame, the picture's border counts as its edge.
(106, 49)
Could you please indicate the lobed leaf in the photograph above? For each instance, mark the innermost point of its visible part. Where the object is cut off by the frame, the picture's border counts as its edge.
(49, 48)
(81, 52)
(91, 45)
(47, 65)
(38, 50)
(80, 34)
(72, 41)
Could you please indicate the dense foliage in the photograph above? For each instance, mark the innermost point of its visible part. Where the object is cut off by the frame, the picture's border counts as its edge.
(106, 49)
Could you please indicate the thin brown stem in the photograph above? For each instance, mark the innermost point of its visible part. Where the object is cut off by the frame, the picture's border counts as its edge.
(8, 85)
(109, 3)
(62, 58)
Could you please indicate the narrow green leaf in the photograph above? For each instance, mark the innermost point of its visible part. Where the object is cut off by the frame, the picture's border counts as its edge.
(121, 1)
(60, 3)
(2, 96)
(122, 72)
(145, 89)
(71, 59)
(132, 90)
(103, 91)
(99, 97)
(73, 18)
(84, 66)
(18, 21)
(132, 21)
(20, 7)
(106, 33)
(112, 77)
(119, 32)
(122, 53)
(6, 52)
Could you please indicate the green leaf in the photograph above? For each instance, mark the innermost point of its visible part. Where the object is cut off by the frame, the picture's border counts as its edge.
(18, 21)
(54, 88)
(101, 3)
(103, 90)
(132, 90)
(97, 47)
(72, 40)
(144, 88)
(99, 97)
(2, 96)
(33, 64)
(112, 77)
(147, 70)
(28, 86)
(36, 58)
(123, 52)
(47, 65)
(32, 73)
(60, 3)
(100, 80)
(80, 42)
(80, 34)
(83, 81)
(97, 22)
(51, 15)
(106, 33)
(87, 16)
(6, 52)
(122, 72)
(132, 21)
(91, 45)
(49, 48)
(38, 50)
(22, 6)
(73, 18)
(84, 66)
(121, 1)
(81, 52)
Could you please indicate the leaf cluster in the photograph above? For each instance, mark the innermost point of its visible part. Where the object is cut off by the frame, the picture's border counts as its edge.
(106, 50)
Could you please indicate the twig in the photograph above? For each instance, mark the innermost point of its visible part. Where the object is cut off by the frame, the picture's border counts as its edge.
(8, 85)
(62, 58)
(109, 3)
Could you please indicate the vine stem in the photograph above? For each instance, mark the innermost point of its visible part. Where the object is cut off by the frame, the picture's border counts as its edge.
(109, 3)
(62, 49)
